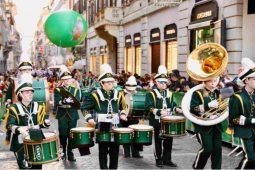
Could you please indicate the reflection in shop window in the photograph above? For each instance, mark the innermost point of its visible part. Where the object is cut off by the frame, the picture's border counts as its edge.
(128, 60)
(138, 60)
(93, 61)
(204, 35)
(171, 55)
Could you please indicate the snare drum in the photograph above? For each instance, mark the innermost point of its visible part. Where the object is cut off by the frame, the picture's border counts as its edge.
(173, 126)
(42, 152)
(136, 104)
(142, 134)
(123, 135)
(81, 136)
(102, 137)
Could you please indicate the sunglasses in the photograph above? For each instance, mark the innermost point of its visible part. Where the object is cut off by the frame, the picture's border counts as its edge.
(162, 82)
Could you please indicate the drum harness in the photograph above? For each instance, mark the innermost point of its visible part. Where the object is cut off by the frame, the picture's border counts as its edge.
(114, 118)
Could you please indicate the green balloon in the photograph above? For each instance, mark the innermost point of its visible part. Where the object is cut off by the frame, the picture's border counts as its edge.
(66, 28)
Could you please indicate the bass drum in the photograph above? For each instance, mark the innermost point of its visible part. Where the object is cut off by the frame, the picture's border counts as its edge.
(136, 104)
(41, 92)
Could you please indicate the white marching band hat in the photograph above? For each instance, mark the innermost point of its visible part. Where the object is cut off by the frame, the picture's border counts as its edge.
(248, 69)
(24, 83)
(131, 83)
(105, 73)
(65, 73)
(25, 63)
(162, 74)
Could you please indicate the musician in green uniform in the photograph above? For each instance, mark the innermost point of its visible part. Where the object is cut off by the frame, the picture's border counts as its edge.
(209, 137)
(23, 115)
(242, 114)
(130, 89)
(66, 114)
(109, 106)
(159, 103)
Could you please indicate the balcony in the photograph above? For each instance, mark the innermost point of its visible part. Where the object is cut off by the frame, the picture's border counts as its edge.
(108, 16)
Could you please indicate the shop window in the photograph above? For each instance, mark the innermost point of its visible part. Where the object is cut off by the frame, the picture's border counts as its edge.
(251, 7)
(93, 61)
(171, 55)
(128, 59)
(201, 36)
(103, 59)
(138, 60)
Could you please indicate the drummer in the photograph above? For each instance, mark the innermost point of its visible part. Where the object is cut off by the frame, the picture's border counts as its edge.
(159, 103)
(208, 136)
(106, 102)
(130, 89)
(23, 115)
(67, 115)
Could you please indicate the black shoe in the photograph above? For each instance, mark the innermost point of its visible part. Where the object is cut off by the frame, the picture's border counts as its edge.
(170, 163)
(126, 156)
(159, 163)
(71, 158)
(137, 156)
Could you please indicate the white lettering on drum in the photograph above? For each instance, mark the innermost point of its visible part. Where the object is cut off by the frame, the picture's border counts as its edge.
(38, 152)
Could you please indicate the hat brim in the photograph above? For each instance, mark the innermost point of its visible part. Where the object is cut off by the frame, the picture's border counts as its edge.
(162, 79)
(66, 77)
(25, 68)
(24, 89)
(107, 79)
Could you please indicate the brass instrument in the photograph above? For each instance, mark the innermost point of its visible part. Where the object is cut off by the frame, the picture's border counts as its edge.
(205, 63)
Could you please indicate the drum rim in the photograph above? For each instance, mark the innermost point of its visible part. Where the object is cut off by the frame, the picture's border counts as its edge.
(49, 161)
(84, 130)
(150, 128)
(173, 121)
(116, 130)
(50, 139)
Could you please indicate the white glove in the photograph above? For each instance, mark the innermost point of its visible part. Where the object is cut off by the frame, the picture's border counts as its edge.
(213, 104)
(123, 117)
(201, 108)
(23, 130)
(213, 117)
(47, 122)
(91, 122)
(253, 120)
(68, 100)
(179, 110)
(242, 120)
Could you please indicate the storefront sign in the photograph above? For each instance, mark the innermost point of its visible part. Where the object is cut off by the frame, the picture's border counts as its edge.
(155, 35)
(170, 32)
(137, 39)
(205, 11)
(128, 41)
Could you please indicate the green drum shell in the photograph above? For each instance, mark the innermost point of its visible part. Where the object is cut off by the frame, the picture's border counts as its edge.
(173, 128)
(41, 90)
(143, 137)
(123, 137)
(42, 152)
(102, 137)
(137, 104)
(81, 139)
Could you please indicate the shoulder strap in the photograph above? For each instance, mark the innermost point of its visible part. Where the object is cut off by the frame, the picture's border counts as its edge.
(241, 101)
(35, 109)
(154, 98)
(96, 98)
(201, 96)
(21, 110)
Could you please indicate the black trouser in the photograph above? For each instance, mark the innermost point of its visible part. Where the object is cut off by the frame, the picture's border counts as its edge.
(135, 148)
(248, 162)
(167, 146)
(113, 150)
(211, 146)
(65, 124)
(20, 158)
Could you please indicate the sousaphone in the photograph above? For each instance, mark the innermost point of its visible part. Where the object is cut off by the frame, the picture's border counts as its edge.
(204, 63)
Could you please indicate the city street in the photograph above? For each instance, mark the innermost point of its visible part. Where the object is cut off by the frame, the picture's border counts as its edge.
(184, 153)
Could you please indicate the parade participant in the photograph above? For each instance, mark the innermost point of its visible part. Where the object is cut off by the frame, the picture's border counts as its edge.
(25, 66)
(106, 102)
(67, 115)
(130, 89)
(208, 136)
(159, 103)
(242, 115)
(23, 115)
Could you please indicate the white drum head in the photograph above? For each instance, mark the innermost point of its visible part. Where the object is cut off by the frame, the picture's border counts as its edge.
(141, 127)
(123, 130)
(173, 117)
(82, 129)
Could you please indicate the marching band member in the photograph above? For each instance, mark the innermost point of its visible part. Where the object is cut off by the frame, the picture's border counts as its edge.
(242, 115)
(159, 103)
(23, 115)
(67, 115)
(106, 102)
(208, 136)
(25, 66)
(130, 88)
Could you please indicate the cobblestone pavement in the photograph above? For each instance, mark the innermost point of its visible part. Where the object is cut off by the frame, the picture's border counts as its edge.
(184, 153)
